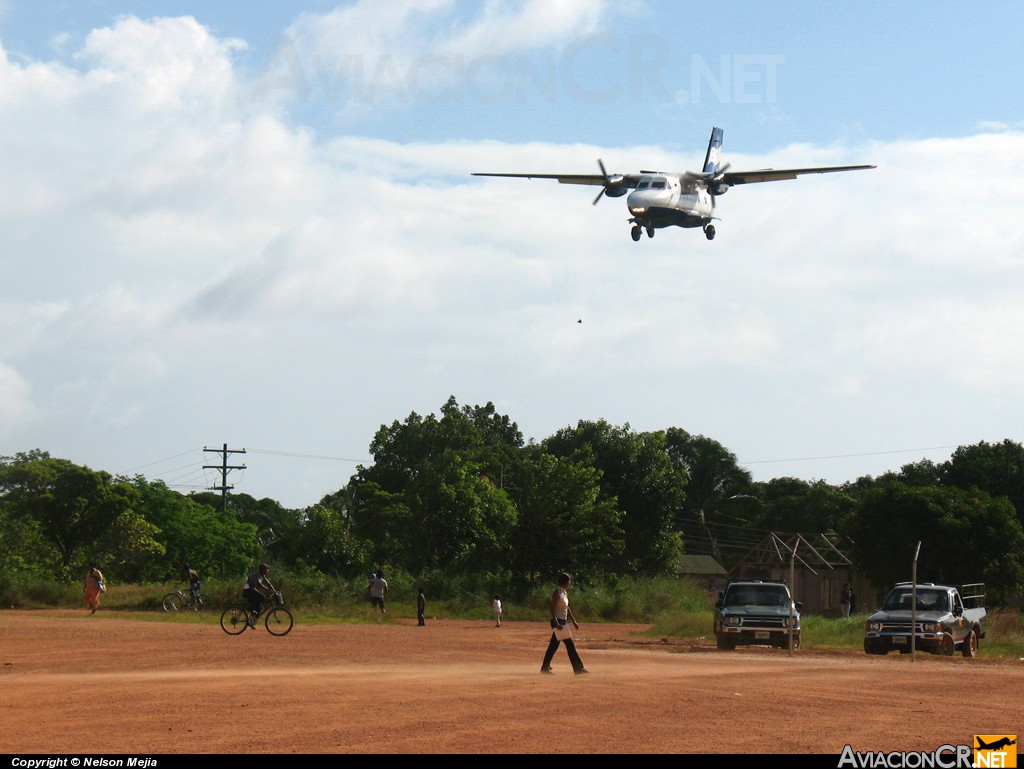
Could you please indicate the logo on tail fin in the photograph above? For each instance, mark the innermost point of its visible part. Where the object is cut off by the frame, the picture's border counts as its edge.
(713, 159)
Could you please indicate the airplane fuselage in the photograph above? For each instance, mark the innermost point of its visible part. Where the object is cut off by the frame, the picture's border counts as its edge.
(664, 200)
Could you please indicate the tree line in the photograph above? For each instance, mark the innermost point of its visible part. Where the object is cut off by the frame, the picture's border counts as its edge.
(462, 494)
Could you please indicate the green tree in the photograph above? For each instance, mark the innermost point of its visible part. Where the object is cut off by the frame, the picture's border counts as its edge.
(806, 507)
(966, 536)
(922, 473)
(564, 522)
(638, 475)
(326, 542)
(206, 538)
(275, 524)
(23, 548)
(73, 506)
(129, 547)
(431, 498)
(718, 490)
(994, 468)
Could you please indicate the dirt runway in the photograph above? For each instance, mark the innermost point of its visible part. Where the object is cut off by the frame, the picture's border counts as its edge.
(79, 684)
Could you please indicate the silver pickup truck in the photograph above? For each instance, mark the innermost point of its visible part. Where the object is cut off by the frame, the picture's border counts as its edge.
(944, 620)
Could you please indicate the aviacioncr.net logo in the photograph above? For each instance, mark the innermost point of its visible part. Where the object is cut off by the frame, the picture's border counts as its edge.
(995, 750)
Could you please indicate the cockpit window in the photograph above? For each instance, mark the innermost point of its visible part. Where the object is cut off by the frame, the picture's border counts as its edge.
(653, 183)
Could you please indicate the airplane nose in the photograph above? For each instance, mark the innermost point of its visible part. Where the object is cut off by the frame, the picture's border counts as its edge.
(640, 201)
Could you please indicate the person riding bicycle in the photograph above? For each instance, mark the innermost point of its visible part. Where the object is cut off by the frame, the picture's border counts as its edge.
(193, 583)
(252, 593)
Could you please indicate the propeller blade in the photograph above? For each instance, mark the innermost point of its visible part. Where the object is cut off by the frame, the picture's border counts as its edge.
(607, 180)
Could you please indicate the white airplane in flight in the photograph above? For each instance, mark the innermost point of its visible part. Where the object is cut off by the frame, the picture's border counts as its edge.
(678, 199)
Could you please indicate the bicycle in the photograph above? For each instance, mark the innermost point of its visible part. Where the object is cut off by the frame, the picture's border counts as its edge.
(179, 600)
(276, 618)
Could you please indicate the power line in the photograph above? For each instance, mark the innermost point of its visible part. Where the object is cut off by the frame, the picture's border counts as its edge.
(166, 459)
(848, 456)
(305, 456)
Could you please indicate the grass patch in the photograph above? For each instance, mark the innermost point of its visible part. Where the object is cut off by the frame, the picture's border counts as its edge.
(673, 608)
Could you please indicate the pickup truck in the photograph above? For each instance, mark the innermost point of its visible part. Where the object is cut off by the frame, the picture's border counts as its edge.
(944, 620)
(756, 612)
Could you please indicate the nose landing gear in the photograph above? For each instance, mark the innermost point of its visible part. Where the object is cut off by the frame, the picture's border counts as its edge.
(709, 231)
(639, 230)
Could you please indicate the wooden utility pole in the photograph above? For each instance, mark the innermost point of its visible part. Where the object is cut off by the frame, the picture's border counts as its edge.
(224, 468)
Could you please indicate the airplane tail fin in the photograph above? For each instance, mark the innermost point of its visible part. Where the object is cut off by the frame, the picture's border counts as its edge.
(712, 160)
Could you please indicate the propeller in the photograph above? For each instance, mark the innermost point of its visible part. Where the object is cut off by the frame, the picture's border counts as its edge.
(717, 177)
(609, 181)
(710, 180)
(708, 176)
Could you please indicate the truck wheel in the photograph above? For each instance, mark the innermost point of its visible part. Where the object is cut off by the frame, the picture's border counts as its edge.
(727, 644)
(970, 645)
(870, 648)
(946, 646)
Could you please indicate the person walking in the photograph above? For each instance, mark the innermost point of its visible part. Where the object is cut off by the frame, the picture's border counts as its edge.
(93, 587)
(496, 607)
(561, 614)
(421, 608)
(378, 589)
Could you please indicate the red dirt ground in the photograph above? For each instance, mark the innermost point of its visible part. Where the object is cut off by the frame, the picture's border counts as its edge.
(458, 687)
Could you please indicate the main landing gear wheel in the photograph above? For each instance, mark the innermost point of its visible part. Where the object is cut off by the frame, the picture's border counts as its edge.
(709, 232)
(635, 232)
(650, 232)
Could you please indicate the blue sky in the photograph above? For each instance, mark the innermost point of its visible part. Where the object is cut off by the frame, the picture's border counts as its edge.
(255, 223)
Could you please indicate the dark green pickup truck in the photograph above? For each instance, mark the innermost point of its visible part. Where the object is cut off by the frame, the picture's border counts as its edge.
(756, 612)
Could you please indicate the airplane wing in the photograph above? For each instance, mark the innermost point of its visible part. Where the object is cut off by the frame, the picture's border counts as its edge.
(597, 180)
(775, 175)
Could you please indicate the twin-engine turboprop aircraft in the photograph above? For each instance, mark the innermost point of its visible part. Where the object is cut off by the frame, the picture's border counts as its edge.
(678, 199)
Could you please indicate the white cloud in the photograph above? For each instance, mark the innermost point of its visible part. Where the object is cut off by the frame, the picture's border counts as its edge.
(17, 409)
(501, 28)
(167, 63)
(358, 59)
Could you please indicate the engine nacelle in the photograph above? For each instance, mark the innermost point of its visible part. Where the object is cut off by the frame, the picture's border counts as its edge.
(718, 189)
(614, 191)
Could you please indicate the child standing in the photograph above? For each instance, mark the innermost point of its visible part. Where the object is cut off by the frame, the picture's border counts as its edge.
(496, 605)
